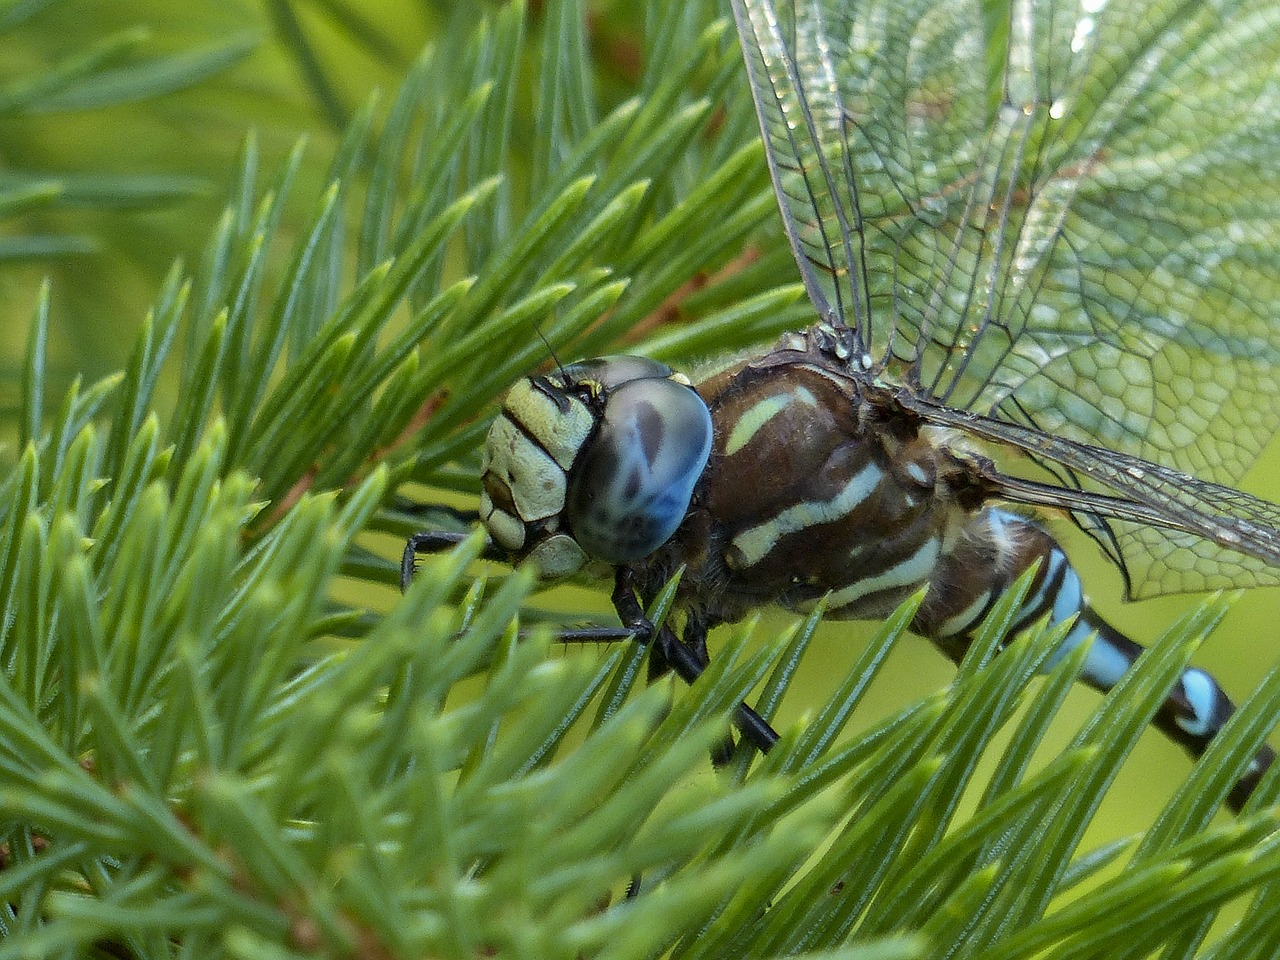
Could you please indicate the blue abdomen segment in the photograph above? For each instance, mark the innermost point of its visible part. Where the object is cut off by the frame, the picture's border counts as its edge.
(1194, 711)
(631, 488)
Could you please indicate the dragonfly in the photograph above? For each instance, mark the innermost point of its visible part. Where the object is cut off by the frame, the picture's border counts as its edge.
(1013, 324)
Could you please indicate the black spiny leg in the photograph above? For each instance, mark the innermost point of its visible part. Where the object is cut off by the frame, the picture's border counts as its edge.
(686, 661)
(428, 512)
(436, 541)
(695, 638)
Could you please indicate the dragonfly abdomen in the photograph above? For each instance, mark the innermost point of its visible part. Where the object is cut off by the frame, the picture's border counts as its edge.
(997, 547)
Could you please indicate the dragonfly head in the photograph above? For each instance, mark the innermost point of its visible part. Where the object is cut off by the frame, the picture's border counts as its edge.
(596, 461)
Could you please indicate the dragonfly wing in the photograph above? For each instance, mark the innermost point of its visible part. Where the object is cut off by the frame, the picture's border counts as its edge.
(1063, 212)
(801, 112)
(1170, 532)
(1138, 305)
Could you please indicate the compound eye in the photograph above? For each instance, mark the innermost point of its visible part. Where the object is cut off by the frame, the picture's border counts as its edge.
(631, 488)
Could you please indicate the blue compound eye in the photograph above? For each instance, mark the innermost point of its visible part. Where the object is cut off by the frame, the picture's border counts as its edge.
(631, 488)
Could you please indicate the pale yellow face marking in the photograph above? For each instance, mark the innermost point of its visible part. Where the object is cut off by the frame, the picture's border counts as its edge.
(964, 619)
(751, 545)
(561, 433)
(757, 417)
(558, 556)
(506, 530)
(533, 470)
(536, 482)
(911, 571)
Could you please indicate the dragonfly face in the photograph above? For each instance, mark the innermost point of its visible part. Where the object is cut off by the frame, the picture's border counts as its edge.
(597, 461)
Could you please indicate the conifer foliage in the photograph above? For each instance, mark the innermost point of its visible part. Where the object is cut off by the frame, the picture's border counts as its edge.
(224, 733)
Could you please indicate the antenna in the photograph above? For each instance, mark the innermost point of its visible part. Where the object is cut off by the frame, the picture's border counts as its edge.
(551, 350)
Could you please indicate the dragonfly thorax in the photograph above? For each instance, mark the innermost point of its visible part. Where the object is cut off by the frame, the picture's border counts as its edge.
(597, 461)
(817, 487)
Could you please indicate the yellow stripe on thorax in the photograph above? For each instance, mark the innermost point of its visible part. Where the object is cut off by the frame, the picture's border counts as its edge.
(911, 571)
(757, 417)
(752, 544)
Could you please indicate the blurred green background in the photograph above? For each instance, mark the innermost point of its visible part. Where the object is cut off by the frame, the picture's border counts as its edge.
(119, 126)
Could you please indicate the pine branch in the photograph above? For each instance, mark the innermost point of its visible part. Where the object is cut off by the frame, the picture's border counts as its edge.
(210, 745)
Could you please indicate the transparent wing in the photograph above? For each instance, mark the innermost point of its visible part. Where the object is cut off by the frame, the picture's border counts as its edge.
(1063, 214)
(1189, 534)
(801, 109)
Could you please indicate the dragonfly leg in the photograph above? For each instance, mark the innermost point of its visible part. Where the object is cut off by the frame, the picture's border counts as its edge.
(695, 638)
(429, 511)
(685, 660)
(436, 541)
